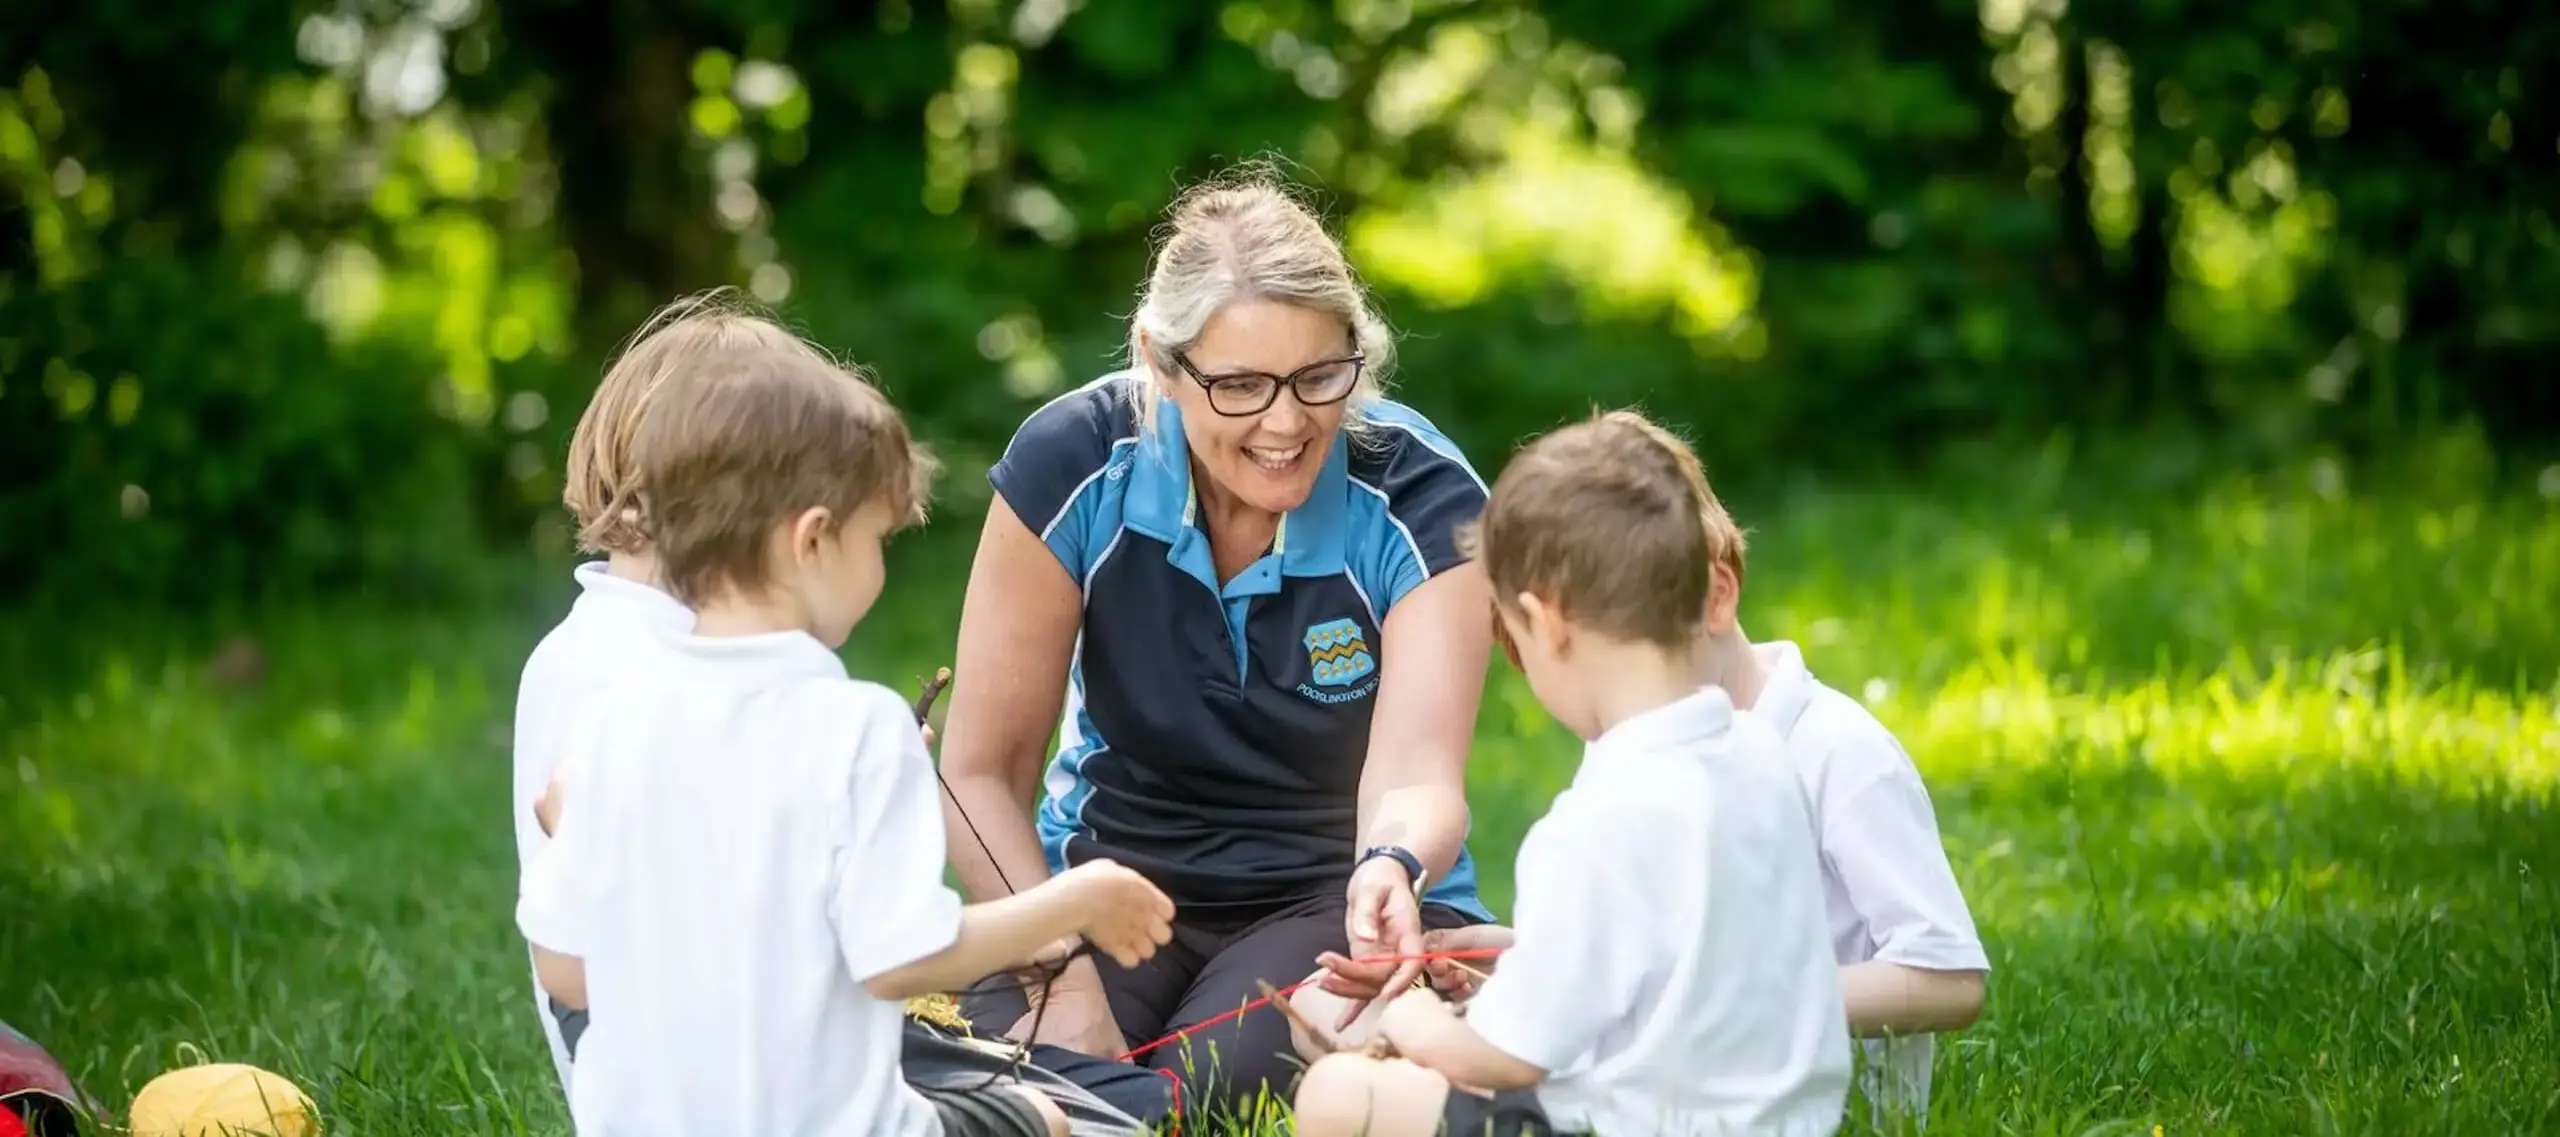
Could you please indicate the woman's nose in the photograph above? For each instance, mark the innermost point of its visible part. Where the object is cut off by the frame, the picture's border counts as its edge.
(1286, 415)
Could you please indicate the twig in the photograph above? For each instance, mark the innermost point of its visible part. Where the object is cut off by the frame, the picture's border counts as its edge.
(1298, 1018)
(932, 691)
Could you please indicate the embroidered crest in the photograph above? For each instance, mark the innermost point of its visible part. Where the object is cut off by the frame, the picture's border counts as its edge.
(1338, 655)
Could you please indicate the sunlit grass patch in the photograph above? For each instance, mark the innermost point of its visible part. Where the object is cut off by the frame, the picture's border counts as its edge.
(2252, 799)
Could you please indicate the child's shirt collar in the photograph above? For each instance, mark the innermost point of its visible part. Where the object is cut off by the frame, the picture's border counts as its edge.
(1700, 715)
(769, 656)
(661, 610)
(1786, 685)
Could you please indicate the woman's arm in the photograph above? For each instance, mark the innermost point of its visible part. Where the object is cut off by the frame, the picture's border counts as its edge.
(1018, 626)
(1434, 646)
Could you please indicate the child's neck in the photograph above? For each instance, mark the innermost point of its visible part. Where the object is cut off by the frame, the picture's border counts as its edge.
(1726, 660)
(1629, 679)
(735, 613)
(640, 566)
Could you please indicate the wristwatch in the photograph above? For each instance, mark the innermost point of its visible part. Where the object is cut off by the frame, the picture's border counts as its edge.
(1397, 853)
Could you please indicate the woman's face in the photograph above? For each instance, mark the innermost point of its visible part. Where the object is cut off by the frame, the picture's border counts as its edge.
(1266, 458)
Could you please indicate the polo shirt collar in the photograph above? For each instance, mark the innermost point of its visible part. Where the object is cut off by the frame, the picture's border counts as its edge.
(1696, 717)
(599, 586)
(1786, 685)
(1162, 503)
(767, 656)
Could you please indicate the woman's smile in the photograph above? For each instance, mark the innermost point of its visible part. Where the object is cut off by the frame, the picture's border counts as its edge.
(1281, 461)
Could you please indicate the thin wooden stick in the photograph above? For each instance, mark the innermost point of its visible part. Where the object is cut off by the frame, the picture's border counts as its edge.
(1298, 1018)
(932, 691)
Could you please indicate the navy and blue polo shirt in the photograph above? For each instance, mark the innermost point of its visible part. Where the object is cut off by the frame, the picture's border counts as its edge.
(1214, 733)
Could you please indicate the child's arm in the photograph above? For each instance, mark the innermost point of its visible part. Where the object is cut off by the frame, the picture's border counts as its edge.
(1882, 842)
(1113, 904)
(563, 977)
(1888, 998)
(1571, 973)
(903, 932)
(1424, 1030)
(552, 908)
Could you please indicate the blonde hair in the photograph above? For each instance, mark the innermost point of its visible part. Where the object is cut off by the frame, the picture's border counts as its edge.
(741, 442)
(600, 485)
(1245, 236)
(1612, 521)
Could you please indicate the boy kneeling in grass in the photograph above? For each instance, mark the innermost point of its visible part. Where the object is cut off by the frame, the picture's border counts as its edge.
(1669, 971)
(746, 871)
(1911, 963)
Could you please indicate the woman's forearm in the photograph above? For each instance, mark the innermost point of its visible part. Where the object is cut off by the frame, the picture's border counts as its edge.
(984, 808)
(1888, 998)
(1427, 819)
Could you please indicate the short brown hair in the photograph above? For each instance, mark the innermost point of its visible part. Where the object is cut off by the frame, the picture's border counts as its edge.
(1611, 520)
(601, 484)
(741, 441)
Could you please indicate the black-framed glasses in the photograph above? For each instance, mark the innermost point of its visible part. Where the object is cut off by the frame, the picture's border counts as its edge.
(1240, 393)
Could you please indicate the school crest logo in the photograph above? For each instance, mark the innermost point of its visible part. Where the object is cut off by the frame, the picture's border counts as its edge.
(1337, 658)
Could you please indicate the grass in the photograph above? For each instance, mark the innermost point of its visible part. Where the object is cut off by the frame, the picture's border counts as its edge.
(2251, 796)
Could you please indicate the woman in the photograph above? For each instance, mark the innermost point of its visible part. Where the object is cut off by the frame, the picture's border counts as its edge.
(1236, 565)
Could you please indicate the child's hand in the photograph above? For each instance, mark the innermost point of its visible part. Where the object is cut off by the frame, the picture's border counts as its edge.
(1458, 979)
(1125, 915)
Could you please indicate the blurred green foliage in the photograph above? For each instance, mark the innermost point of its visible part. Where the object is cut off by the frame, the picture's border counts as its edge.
(300, 296)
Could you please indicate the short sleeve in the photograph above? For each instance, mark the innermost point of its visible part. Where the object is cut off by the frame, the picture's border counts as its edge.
(888, 901)
(1881, 841)
(1421, 492)
(1051, 473)
(559, 893)
(1573, 969)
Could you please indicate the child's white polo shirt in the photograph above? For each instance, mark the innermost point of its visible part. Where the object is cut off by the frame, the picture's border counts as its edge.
(1670, 969)
(758, 835)
(1887, 886)
(607, 638)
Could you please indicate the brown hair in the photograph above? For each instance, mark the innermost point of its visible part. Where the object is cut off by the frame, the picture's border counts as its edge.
(741, 441)
(1611, 520)
(601, 485)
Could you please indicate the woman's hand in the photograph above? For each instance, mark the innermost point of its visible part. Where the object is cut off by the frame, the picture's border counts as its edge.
(1384, 918)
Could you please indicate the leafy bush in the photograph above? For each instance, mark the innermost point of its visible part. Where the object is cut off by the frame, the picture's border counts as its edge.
(166, 432)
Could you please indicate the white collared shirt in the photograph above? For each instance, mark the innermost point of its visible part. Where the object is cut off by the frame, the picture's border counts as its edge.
(1670, 971)
(606, 640)
(757, 837)
(1888, 888)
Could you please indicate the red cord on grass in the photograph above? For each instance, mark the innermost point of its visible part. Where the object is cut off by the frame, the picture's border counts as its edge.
(1265, 1000)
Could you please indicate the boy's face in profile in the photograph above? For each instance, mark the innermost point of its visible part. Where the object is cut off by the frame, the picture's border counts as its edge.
(840, 572)
(1536, 639)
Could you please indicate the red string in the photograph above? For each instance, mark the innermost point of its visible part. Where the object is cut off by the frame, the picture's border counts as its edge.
(1282, 993)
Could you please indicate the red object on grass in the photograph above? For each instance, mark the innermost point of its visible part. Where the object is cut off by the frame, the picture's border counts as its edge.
(36, 1097)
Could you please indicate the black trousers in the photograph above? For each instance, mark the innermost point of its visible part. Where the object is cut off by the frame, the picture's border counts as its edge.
(1209, 969)
(1101, 1097)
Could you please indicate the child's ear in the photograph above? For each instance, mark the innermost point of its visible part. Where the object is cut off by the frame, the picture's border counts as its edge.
(810, 532)
(1544, 624)
(1724, 597)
